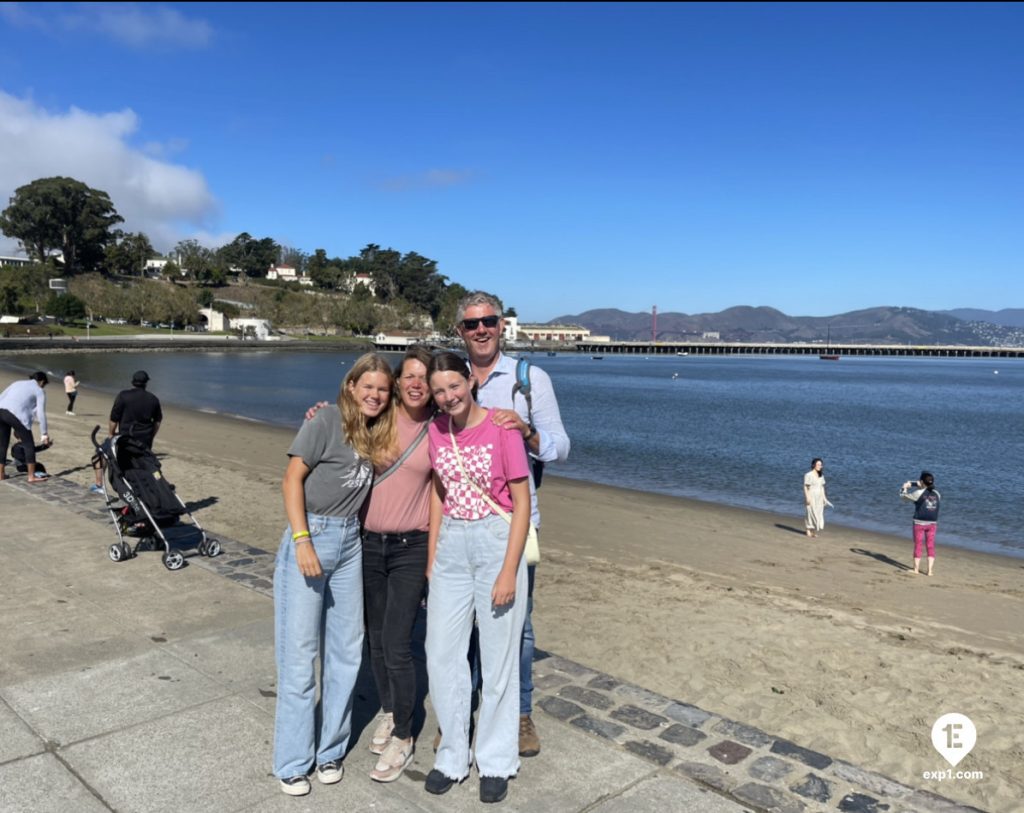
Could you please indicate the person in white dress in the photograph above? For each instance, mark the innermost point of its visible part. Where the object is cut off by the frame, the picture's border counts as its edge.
(814, 497)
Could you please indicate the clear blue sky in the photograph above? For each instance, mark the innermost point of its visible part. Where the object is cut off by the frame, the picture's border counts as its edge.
(813, 158)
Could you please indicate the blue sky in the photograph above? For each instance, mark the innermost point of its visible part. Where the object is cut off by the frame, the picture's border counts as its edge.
(816, 158)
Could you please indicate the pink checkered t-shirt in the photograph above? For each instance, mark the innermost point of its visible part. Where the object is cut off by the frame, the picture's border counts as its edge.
(490, 455)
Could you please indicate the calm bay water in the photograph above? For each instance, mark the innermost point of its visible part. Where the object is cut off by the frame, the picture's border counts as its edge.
(739, 430)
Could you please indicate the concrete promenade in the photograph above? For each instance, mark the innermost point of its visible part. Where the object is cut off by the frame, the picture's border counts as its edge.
(127, 687)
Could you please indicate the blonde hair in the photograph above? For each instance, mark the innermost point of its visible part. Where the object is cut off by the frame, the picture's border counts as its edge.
(371, 438)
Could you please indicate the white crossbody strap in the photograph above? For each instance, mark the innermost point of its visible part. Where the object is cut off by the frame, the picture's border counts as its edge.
(458, 459)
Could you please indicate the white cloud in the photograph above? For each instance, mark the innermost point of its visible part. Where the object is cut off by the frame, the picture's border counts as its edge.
(132, 24)
(165, 201)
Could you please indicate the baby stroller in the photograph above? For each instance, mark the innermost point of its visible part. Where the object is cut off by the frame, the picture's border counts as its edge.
(152, 510)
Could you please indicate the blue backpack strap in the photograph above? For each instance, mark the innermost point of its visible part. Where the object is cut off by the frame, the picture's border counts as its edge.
(522, 386)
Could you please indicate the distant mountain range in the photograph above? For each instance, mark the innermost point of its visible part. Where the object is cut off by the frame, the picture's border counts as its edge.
(885, 325)
(1007, 317)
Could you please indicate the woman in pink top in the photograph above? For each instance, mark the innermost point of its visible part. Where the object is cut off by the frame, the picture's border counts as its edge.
(479, 518)
(395, 522)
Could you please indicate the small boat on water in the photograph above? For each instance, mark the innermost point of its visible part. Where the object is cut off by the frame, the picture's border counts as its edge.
(828, 355)
(682, 353)
(551, 354)
(597, 358)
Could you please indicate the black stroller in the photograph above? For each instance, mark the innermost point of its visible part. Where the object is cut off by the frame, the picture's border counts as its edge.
(152, 510)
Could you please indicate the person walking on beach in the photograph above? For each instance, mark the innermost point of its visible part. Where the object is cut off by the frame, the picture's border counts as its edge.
(318, 584)
(136, 412)
(71, 385)
(538, 421)
(20, 403)
(815, 499)
(475, 565)
(926, 516)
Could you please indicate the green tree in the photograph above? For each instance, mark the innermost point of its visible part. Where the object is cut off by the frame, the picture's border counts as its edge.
(128, 253)
(294, 257)
(61, 213)
(444, 322)
(420, 284)
(360, 316)
(65, 307)
(195, 259)
(101, 297)
(9, 304)
(250, 256)
(27, 286)
(317, 261)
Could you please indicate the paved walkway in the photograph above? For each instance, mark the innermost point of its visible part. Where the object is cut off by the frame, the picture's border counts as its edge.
(127, 687)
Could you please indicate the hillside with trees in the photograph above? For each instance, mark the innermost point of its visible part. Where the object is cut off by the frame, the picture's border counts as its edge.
(69, 230)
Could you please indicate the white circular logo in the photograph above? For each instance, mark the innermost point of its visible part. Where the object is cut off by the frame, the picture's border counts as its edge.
(953, 736)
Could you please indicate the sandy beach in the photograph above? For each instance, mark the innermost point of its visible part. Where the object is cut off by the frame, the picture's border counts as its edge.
(828, 641)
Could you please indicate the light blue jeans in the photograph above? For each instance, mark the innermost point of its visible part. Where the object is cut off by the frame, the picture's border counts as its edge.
(469, 557)
(317, 618)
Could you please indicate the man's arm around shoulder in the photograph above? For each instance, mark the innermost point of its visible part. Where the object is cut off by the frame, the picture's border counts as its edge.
(552, 440)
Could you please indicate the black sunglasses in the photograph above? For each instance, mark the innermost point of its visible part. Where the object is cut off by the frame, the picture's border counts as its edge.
(473, 324)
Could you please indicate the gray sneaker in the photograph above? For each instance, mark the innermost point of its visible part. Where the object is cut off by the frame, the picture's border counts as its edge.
(295, 786)
(330, 772)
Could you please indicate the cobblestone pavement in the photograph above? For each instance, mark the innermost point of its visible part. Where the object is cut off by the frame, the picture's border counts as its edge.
(754, 768)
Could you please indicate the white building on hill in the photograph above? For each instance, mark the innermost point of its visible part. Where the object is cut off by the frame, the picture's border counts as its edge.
(287, 273)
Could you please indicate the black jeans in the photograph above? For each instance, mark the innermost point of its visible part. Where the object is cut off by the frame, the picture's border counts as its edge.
(394, 575)
(9, 422)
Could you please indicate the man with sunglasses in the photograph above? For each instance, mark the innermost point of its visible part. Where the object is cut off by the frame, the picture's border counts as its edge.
(479, 323)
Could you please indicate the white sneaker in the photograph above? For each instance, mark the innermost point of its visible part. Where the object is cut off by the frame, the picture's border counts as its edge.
(382, 733)
(72, 414)
(395, 759)
(295, 786)
(330, 772)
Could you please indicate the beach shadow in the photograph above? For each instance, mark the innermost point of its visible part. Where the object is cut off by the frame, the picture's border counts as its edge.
(791, 529)
(881, 557)
(206, 502)
(75, 470)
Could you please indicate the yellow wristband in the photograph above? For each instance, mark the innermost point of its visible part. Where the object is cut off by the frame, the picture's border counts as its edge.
(300, 535)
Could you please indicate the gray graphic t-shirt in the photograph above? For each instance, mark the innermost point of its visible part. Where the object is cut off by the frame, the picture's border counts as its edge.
(339, 480)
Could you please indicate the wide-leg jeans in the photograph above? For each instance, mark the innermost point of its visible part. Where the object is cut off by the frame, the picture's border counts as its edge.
(469, 557)
(394, 576)
(313, 618)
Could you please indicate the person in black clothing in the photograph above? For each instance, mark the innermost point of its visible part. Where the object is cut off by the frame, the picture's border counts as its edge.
(136, 412)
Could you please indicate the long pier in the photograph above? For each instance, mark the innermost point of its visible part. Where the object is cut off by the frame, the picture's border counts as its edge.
(786, 349)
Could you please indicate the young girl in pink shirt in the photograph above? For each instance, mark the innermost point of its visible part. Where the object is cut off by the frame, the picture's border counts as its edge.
(479, 520)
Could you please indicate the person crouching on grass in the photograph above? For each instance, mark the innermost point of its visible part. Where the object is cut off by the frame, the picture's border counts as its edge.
(475, 566)
(318, 577)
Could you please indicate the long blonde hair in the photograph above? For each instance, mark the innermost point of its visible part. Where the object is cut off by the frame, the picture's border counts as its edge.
(371, 438)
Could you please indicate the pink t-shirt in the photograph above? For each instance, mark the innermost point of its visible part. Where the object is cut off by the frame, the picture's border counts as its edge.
(490, 455)
(402, 501)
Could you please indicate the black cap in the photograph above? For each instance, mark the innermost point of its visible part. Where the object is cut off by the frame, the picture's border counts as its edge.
(140, 378)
